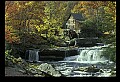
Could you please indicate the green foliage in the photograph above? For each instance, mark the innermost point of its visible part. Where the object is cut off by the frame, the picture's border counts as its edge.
(110, 53)
(32, 17)
(27, 21)
(10, 58)
(101, 16)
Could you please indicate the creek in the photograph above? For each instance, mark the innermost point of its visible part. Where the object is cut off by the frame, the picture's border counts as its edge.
(89, 62)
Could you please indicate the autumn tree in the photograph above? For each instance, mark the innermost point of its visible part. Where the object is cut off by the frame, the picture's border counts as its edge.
(20, 20)
(56, 13)
(10, 33)
(100, 15)
(25, 22)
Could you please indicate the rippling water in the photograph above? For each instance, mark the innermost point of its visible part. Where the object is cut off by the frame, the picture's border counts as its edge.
(77, 66)
(87, 57)
(71, 68)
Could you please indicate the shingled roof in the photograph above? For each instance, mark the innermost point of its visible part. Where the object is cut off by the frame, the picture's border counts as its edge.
(77, 16)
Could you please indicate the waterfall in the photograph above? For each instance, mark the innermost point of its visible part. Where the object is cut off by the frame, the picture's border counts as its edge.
(91, 55)
(88, 55)
(83, 56)
(33, 55)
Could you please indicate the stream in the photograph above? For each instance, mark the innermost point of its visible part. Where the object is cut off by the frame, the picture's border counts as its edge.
(89, 62)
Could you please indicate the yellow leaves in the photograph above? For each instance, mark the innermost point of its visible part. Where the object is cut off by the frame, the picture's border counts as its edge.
(45, 20)
(9, 28)
(10, 35)
(16, 39)
(111, 7)
(39, 27)
(106, 33)
(83, 9)
(82, 2)
(29, 3)
(6, 16)
(54, 21)
(114, 18)
(64, 8)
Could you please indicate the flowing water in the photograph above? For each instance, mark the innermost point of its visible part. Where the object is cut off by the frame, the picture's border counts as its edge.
(33, 55)
(78, 65)
(88, 54)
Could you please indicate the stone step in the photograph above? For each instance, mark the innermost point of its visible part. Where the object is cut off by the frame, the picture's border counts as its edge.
(52, 54)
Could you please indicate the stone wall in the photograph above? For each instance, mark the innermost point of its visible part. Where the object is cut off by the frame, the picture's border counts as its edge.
(54, 54)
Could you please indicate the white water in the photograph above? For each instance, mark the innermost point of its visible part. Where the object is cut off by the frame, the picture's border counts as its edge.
(33, 55)
(88, 55)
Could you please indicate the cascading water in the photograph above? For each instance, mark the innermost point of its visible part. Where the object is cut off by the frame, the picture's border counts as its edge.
(88, 55)
(80, 64)
(91, 55)
(88, 62)
(33, 55)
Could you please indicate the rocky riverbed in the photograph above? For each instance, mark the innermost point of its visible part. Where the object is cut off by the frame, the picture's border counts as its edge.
(62, 69)
(77, 69)
(66, 68)
(20, 67)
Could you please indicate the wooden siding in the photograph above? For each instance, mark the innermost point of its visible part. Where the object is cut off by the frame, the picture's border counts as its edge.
(73, 24)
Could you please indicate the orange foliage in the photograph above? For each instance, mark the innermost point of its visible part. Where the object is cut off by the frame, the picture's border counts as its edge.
(11, 37)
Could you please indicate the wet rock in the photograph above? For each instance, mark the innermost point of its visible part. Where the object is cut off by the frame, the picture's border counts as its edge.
(22, 71)
(82, 68)
(33, 71)
(56, 54)
(92, 69)
(61, 44)
(38, 75)
(115, 68)
(113, 73)
(72, 42)
(86, 42)
(24, 62)
(47, 68)
(101, 71)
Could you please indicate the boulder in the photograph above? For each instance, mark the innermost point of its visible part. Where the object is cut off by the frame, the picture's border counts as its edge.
(92, 69)
(61, 44)
(113, 73)
(48, 68)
